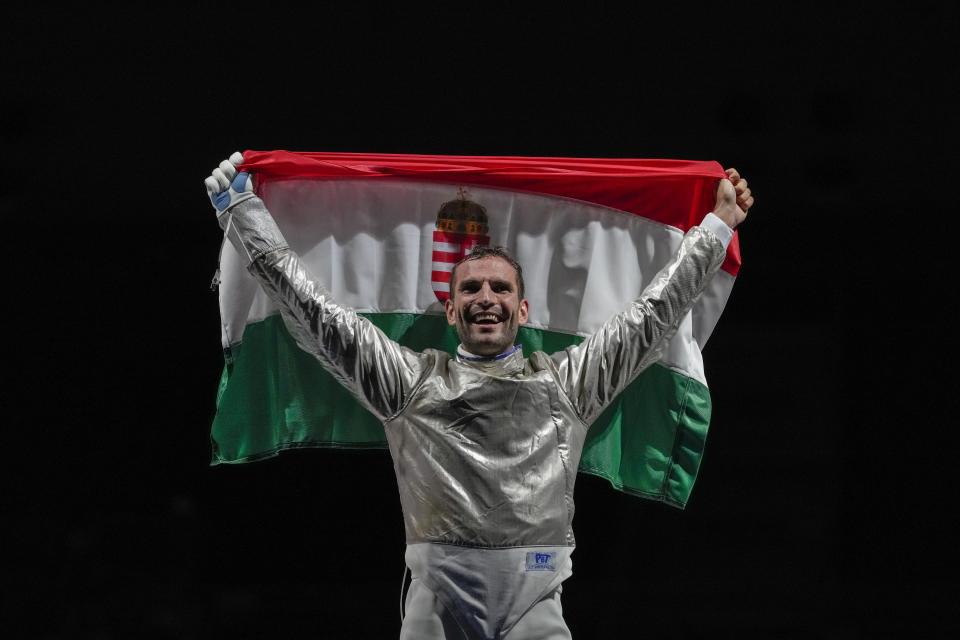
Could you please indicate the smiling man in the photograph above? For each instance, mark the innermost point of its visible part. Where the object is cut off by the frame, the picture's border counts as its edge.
(486, 443)
(486, 302)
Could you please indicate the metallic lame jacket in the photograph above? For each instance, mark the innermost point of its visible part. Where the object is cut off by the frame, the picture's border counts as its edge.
(486, 453)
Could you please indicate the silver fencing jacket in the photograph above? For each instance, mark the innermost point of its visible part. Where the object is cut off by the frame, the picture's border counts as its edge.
(485, 450)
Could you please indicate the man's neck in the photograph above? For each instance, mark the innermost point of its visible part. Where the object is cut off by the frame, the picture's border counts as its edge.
(463, 354)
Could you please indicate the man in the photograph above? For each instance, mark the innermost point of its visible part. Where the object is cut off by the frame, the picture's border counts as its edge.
(485, 444)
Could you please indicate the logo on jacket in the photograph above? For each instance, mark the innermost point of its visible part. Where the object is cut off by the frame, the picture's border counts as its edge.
(461, 226)
(541, 561)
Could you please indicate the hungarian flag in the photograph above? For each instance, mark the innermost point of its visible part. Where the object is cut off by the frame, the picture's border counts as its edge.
(381, 232)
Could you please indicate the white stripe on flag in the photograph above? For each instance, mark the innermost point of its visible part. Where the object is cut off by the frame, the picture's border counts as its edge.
(446, 246)
(443, 266)
(373, 250)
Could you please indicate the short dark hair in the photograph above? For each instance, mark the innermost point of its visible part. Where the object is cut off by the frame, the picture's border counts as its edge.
(481, 251)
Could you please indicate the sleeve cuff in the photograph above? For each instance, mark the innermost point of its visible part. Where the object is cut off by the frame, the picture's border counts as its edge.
(719, 228)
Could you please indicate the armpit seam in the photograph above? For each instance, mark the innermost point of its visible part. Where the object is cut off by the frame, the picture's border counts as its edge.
(413, 392)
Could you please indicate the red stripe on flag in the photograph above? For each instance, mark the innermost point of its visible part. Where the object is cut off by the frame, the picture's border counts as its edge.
(446, 236)
(440, 276)
(731, 263)
(677, 193)
(446, 256)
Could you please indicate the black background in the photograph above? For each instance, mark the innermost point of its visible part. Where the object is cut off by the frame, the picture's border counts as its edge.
(821, 505)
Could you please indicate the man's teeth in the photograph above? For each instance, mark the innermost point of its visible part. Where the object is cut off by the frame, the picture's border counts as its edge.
(486, 318)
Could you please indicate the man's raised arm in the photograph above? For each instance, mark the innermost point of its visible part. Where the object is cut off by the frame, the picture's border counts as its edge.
(377, 370)
(595, 371)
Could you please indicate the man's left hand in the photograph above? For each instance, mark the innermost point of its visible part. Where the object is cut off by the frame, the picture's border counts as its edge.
(733, 199)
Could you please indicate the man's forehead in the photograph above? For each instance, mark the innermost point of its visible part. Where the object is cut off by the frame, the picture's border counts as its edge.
(487, 268)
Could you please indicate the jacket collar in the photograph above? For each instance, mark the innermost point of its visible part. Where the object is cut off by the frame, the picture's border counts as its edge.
(510, 362)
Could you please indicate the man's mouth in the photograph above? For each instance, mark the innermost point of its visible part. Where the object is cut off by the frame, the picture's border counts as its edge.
(485, 318)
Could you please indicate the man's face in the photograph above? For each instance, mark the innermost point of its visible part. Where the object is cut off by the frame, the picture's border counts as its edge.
(485, 305)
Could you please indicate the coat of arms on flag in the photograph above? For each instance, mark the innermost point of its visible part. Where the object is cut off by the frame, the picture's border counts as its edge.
(461, 226)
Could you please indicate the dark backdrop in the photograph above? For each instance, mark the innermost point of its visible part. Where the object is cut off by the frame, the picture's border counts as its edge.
(819, 508)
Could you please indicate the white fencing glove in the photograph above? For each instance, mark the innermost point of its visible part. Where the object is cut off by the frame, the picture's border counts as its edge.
(227, 187)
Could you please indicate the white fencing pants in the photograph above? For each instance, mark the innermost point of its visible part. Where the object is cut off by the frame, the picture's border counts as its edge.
(427, 619)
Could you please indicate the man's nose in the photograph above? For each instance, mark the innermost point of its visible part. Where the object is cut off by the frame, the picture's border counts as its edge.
(486, 295)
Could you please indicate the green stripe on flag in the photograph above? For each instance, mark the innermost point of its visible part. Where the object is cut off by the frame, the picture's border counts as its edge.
(274, 396)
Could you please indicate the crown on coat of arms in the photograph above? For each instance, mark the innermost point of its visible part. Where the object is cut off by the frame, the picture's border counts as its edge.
(462, 216)
(461, 225)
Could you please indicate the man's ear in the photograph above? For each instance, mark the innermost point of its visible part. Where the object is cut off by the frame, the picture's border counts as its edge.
(523, 313)
(451, 311)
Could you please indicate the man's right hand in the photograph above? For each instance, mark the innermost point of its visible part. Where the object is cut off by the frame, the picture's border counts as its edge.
(733, 199)
(227, 187)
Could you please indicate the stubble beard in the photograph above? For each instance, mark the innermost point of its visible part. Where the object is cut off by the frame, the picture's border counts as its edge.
(487, 344)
